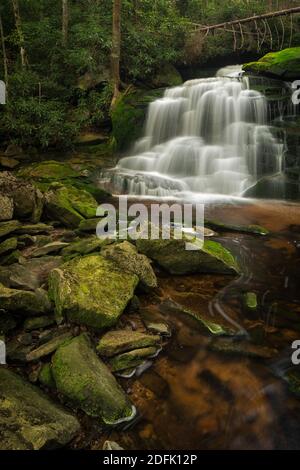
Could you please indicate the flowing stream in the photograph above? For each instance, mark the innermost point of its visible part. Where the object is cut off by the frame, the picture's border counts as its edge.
(210, 135)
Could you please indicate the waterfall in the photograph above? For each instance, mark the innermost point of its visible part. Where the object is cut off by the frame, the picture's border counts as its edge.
(209, 135)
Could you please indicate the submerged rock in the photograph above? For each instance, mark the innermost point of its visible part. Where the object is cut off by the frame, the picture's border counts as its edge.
(125, 255)
(257, 229)
(155, 323)
(133, 358)
(173, 256)
(28, 419)
(115, 342)
(91, 290)
(24, 302)
(242, 348)
(84, 380)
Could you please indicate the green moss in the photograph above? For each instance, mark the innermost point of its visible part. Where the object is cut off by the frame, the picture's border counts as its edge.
(84, 380)
(46, 376)
(49, 170)
(218, 251)
(9, 244)
(131, 359)
(9, 227)
(24, 302)
(284, 64)
(115, 342)
(128, 116)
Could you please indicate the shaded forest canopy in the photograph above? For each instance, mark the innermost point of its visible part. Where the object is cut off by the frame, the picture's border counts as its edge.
(56, 56)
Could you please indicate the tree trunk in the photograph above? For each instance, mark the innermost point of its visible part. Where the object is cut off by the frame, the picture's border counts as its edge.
(5, 66)
(116, 50)
(18, 22)
(65, 22)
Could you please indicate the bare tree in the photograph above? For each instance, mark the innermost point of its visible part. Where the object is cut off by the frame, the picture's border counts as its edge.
(116, 50)
(65, 22)
(5, 66)
(18, 22)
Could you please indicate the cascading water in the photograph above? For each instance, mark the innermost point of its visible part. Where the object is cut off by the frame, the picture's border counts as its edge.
(206, 136)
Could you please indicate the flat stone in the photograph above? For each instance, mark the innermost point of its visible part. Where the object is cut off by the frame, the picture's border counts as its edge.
(83, 379)
(131, 359)
(28, 419)
(242, 348)
(49, 347)
(49, 248)
(24, 302)
(9, 227)
(36, 323)
(119, 341)
(8, 245)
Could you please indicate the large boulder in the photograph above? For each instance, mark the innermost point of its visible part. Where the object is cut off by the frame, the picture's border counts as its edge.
(173, 256)
(27, 200)
(6, 207)
(49, 170)
(28, 419)
(91, 290)
(284, 64)
(125, 255)
(70, 205)
(83, 379)
(24, 302)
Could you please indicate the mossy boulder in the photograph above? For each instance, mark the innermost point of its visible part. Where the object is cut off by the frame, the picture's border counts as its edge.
(284, 64)
(85, 381)
(119, 341)
(70, 205)
(173, 256)
(91, 290)
(28, 419)
(125, 255)
(129, 114)
(49, 170)
(24, 302)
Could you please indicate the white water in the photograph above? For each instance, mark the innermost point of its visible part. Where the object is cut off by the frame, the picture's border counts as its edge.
(206, 136)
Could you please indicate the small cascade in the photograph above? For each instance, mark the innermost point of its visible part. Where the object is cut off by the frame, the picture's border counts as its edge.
(209, 135)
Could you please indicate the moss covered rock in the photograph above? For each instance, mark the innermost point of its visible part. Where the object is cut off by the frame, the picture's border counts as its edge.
(24, 302)
(8, 245)
(173, 256)
(84, 246)
(91, 290)
(129, 114)
(51, 170)
(46, 376)
(35, 323)
(6, 207)
(284, 64)
(119, 341)
(132, 359)
(70, 205)
(84, 380)
(28, 419)
(125, 255)
(9, 227)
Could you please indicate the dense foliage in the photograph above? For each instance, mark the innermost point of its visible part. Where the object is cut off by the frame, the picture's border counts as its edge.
(65, 87)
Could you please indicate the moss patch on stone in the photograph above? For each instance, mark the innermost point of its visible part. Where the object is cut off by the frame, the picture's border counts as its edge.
(91, 290)
(283, 64)
(119, 341)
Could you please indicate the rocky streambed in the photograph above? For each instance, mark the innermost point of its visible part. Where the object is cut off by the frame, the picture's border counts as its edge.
(135, 344)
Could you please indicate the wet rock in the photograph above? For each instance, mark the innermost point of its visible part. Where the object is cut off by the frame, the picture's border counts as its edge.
(70, 205)
(10, 244)
(30, 275)
(214, 328)
(24, 302)
(125, 255)
(133, 358)
(250, 299)
(242, 348)
(49, 347)
(84, 380)
(49, 248)
(284, 64)
(172, 255)
(218, 225)
(155, 323)
(6, 207)
(28, 419)
(27, 200)
(91, 290)
(38, 322)
(119, 341)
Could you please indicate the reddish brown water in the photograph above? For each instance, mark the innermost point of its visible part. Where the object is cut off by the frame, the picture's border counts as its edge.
(194, 398)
